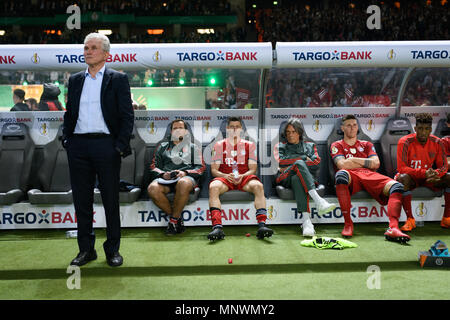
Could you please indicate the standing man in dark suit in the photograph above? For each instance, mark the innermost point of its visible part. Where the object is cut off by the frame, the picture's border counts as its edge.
(97, 128)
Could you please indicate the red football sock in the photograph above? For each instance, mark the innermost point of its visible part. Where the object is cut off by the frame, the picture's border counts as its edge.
(406, 203)
(345, 201)
(447, 204)
(173, 220)
(261, 215)
(394, 209)
(216, 216)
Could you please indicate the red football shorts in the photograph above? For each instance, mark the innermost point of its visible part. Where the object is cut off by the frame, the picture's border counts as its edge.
(239, 186)
(370, 181)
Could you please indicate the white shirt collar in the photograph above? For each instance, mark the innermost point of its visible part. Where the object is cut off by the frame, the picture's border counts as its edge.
(101, 71)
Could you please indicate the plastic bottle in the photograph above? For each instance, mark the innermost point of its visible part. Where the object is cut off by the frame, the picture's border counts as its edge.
(235, 170)
(420, 222)
(71, 233)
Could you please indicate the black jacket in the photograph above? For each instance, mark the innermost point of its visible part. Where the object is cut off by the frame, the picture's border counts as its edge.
(50, 94)
(115, 100)
(20, 107)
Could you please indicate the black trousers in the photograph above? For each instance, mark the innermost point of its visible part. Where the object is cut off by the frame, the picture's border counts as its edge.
(90, 158)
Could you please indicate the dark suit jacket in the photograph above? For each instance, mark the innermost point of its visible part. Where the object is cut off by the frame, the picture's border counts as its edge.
(115, 100)
(20, 107)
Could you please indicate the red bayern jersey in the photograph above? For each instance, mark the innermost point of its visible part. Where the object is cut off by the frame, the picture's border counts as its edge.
(361, 149)
(226, 154)
(446, 142)
(415, 159)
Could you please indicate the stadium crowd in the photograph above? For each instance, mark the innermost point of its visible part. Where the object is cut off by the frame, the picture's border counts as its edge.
(335, 21)
(39, 8)
(303, 88)
(318, 21)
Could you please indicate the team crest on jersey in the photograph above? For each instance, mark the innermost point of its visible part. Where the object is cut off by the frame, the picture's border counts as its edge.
(233, 153)
(353, 150)
(334, 150)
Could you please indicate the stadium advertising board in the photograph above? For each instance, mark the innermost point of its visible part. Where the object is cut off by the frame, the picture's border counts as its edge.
(69, 57)
(319, 122)
(152, 124)
(363, 54)
(437, 113)
(146, 214)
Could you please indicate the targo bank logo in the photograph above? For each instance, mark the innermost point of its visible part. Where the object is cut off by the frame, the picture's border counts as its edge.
(360, 212)
(74, 58)
(430, 54)
(332, 55)
(197, 215)
(217, 56)
(43, 217)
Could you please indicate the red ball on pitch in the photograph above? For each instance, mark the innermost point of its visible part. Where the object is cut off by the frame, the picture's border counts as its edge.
(247, 234)
(230, 260)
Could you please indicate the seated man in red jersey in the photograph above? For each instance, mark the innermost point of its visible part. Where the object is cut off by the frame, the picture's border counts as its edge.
(421, 161)
(234, 165)
(446, 141)
(356, 162)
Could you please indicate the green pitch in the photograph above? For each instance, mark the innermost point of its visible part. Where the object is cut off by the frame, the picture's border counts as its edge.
(188, 266)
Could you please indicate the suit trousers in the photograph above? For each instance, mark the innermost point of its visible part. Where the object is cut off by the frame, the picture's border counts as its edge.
(90, 158)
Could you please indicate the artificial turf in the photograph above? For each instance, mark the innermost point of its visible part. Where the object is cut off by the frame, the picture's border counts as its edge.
(189, 267)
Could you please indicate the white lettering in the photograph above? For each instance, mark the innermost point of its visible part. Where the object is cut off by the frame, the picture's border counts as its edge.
(74, 21)
(74, 281)
(374, 21)
(374, 280)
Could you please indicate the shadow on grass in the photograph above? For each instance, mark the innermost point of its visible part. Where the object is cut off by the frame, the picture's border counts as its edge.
(158, 271)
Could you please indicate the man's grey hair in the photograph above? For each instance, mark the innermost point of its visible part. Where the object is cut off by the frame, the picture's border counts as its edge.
(105, 41)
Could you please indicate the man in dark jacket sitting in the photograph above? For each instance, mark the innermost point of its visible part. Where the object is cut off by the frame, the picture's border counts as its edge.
(177, 166)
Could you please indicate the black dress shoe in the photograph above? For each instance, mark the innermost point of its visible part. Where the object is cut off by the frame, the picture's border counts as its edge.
(115, 259)
(84, 257)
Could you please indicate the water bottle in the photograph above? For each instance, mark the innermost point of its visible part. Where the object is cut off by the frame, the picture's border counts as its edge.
(235, 170)
(420, 215)
(71, 233)
(420, 222)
